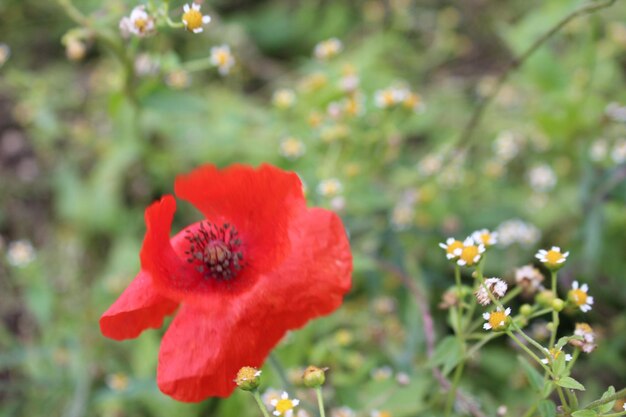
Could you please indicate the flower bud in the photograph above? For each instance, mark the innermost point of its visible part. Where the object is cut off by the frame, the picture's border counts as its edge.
(526, 310)
(545, 298)
(558, 304)
(248, 378)
(313, 377)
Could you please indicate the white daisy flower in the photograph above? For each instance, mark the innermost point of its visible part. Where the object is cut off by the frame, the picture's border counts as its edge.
(222, 58)
(330, 187)
(470, 253)
(578, 296)
(139, 23)
(552, 258)
(284, 406)
(20, 253)
(193, 18)
(553, 354)
(485, 237)
(497, 320)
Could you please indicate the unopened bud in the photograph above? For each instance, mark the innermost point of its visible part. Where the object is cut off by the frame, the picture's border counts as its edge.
(526, 310)
(558, 304)
(248, 378)
(313, 377)
(545, 298)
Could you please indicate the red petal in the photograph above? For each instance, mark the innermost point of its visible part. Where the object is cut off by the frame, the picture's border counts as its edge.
(202, 351)
(204, 348)
(138, 308)
(260, 203)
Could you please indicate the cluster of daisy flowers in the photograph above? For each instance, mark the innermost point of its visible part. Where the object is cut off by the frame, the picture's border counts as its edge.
(469, 251)
(143, 21)
(392, 97)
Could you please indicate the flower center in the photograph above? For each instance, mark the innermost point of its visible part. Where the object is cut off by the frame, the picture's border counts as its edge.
(553, 257)
(454, 246)
(284, 405)
(193, 19)
(554, 353)
(579, 297)
(497, 319)
(469, 254)
(216, 251)
(141, 24)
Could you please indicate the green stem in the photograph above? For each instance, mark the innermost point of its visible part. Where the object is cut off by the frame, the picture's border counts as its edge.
(540, 313)
(511, 294)
(530, 352)
(455, 384)
(555, 314)
(320, 401)
(280, 371)
(259, 402)
(564, 403)
(619, 394)
(571, 363)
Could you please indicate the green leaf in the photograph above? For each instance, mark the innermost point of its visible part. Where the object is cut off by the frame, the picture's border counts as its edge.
(605, 408)
(448, 353)
(535, 379)
(546, 408)
(559, 365)
(562, 342)
(568, 382)
(584, 413)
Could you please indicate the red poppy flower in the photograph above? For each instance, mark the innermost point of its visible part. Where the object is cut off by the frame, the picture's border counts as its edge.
(259, 264)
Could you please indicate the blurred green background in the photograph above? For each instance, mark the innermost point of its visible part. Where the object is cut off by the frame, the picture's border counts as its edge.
(84, 148)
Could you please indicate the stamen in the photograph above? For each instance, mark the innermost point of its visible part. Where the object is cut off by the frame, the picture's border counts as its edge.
(215, 250)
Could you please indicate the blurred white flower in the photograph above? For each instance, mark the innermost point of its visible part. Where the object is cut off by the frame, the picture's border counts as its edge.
(618, 153)
(517, 231)
(222, 58)
(292, 148)
(193, 18)
(599, 150)
(329, 187)
(507, 145)
(139, 23)
(542, 178)
(20, 253)
(616, 112)
(327, 49)
(284, 98)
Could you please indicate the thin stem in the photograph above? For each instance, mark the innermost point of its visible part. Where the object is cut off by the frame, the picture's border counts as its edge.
(511, 294)
(619, 394)
(320, 401)
(564, 403)
(259, 402)
(530, 352)
(555, 314)
(455, 384)
(531, 410)
(529, 339)
(540, 313)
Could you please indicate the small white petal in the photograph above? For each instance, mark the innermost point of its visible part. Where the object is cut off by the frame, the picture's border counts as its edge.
(575, 285)
(568, 357)
(566, 254)
(486, 316)
(186, 8)
(556, 249)
(197, 30)
(468, 241)
(476, 258)
(450, 256)
(544, 361)
(590, 300)
(560, 261)
(284, 395)
(507, 311)
(443, 246)
(274, 402)
(295, 402)
(461, 262)
(450, 240)
(584, 288)
(487, 326)
(457, 251)
(276, 413)
(206, 19)
(195, 6)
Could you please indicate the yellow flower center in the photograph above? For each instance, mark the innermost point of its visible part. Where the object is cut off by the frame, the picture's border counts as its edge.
(584, 327)
(454, 246)
(553, 257)
(411, 101)
(193, 19)
(284, 405)
(141, 24)
(246, 373)
(469, 254)
(222, 58)
(497, 320)
(578, 296)
(554, 352)
(388, 98)
(485, 238)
